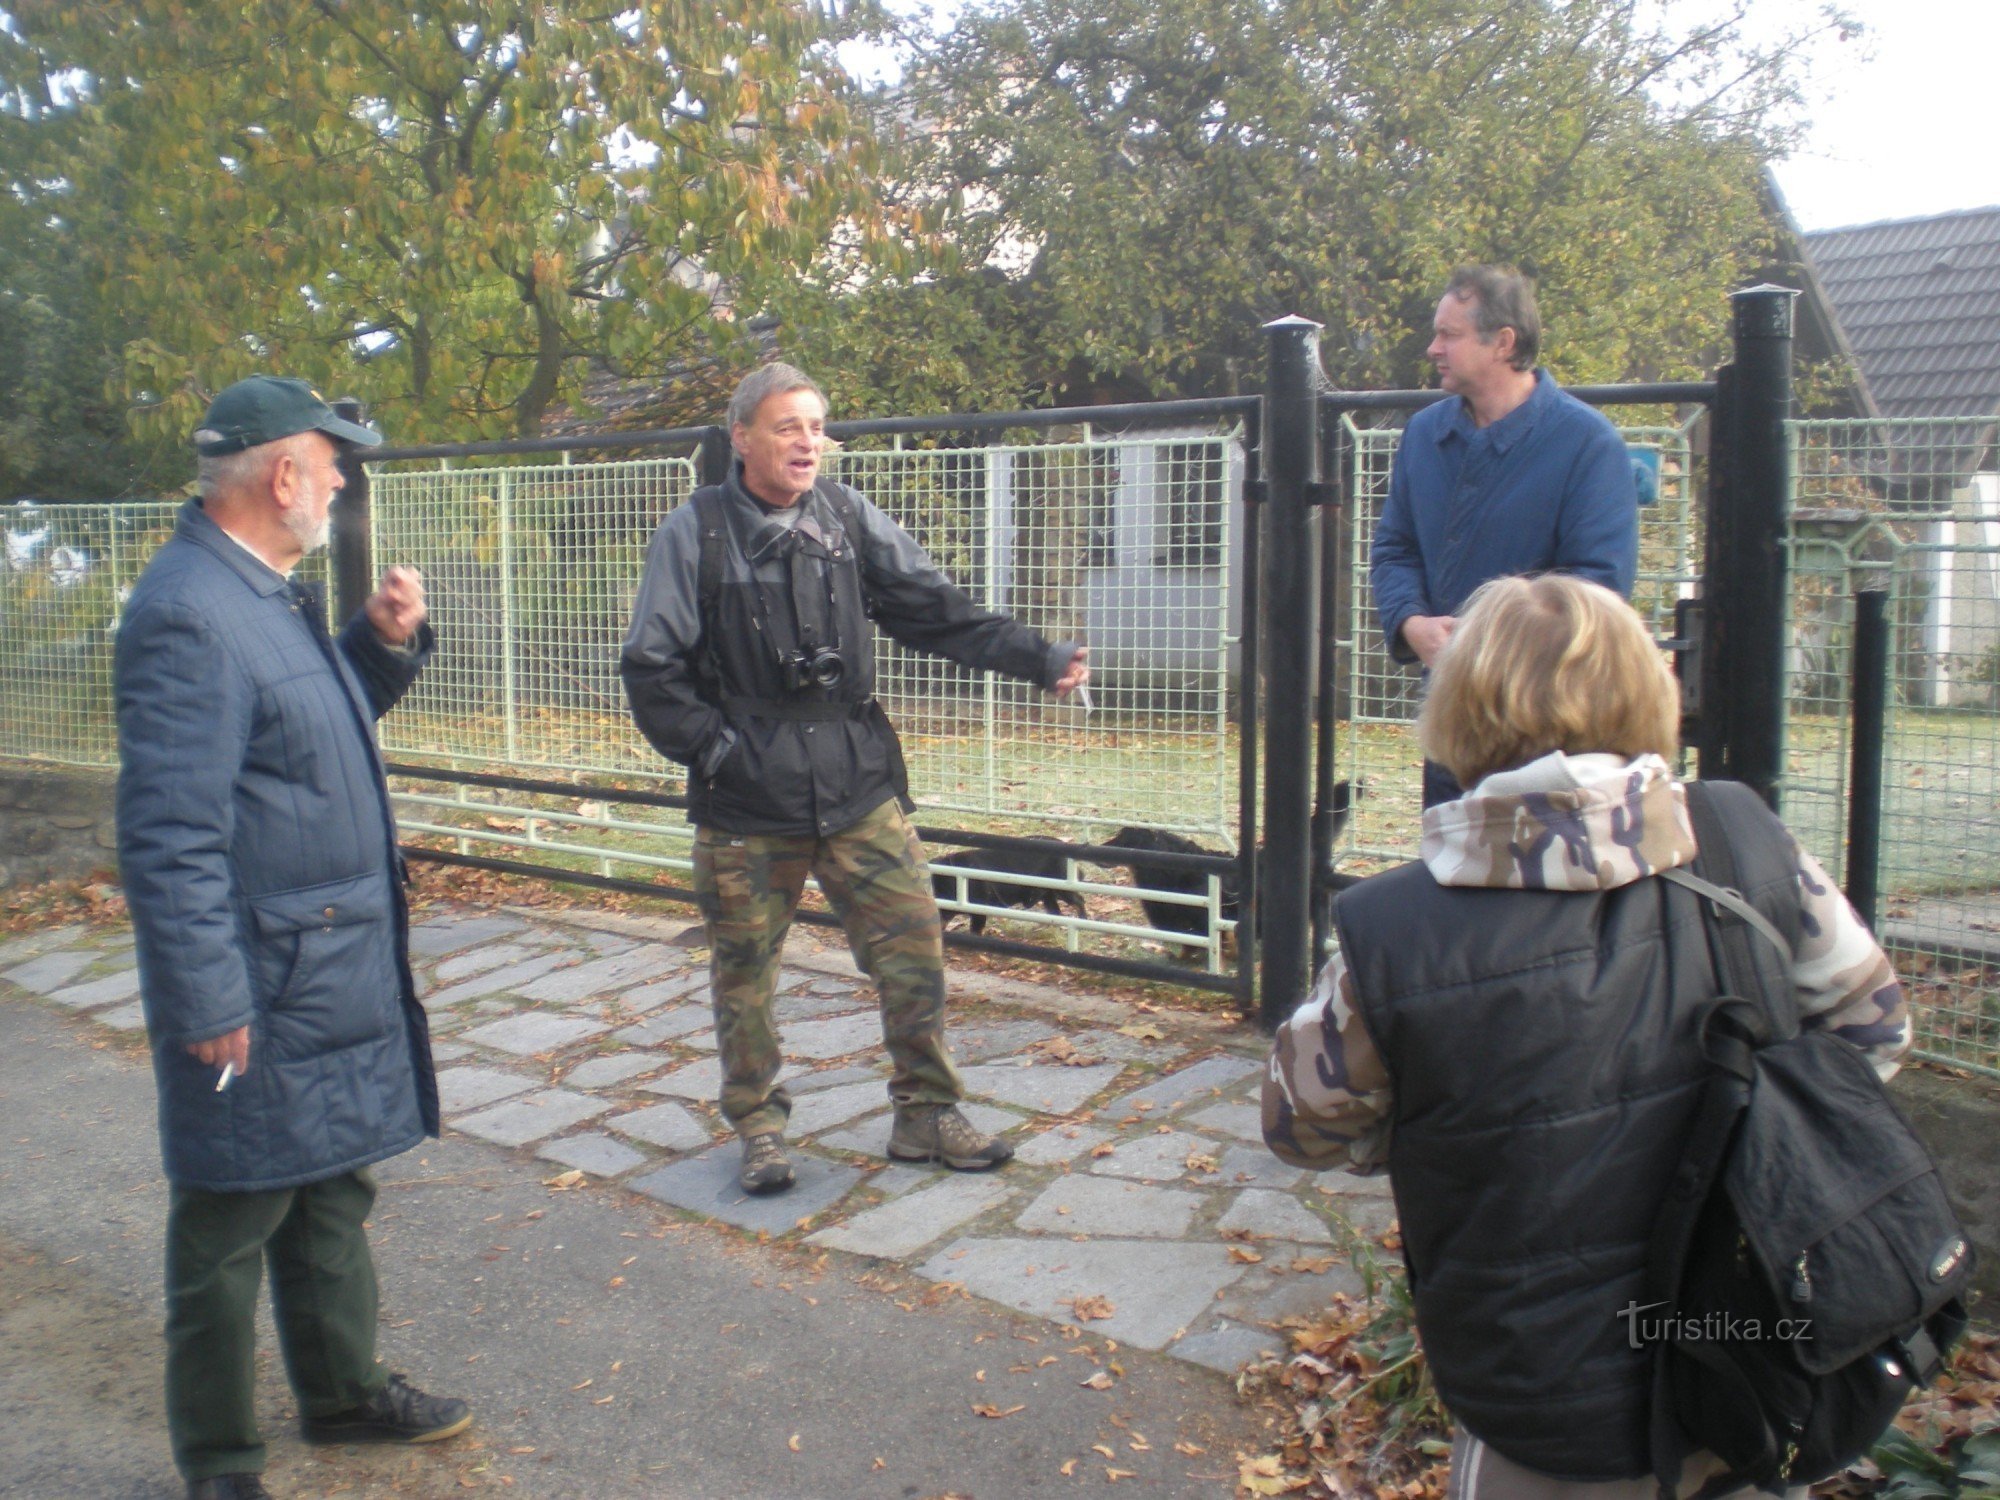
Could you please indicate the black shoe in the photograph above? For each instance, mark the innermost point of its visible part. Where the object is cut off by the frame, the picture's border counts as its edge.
(228, 1487)
(398, 1413)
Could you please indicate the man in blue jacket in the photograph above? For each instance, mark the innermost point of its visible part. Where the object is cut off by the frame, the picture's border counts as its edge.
(1513, 476)
(259, 857)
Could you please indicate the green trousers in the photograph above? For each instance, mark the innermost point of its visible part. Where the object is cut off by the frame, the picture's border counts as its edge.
(879, 885)
(323, 1295)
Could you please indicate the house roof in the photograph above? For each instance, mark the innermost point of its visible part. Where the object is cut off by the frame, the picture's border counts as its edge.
(1919, 301)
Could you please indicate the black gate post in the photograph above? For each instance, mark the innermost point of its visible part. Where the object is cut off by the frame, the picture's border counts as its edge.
(1751, 665)
(1291, 637)
(1870, 695)
(353, 525)
(711, 461)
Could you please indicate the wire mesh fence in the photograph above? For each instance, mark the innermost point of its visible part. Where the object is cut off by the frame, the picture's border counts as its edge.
(64, 578)
(1911, 508)
(1378, 749)
(1126, 544)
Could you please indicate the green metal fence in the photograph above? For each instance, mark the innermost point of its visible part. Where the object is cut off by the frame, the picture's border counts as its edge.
(1911, 508)
(64, 575)
(1126, 543)
(1378, 749)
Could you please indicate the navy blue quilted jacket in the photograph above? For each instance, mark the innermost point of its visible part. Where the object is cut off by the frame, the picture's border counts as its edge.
(258, 851)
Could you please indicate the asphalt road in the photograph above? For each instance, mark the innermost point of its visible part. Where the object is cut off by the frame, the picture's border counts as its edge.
(609, 1348)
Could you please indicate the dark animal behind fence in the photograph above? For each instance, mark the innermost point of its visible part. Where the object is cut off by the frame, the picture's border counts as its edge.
(1040, 866)
(1172, 916)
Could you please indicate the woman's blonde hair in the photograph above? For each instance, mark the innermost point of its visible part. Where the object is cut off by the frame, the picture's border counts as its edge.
(1547, 663)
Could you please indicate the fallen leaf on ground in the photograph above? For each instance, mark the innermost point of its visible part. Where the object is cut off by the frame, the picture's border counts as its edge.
(793, 1442)
(1102, 1148)
(1114, 1475)
(980, 1408)
(1090, 1306)
(1069, 1468)
(1145, 1031)
(1243, 1255)
(1201, 1161)
(1314, 1264)
(1105, 1448)
(1101, 1381)
(1190, 1449)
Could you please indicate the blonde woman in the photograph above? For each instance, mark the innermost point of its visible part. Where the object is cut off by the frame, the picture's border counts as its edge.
(1511, 1028)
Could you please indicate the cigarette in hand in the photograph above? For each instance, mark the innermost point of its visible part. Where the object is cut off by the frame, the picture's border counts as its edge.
(228, 1072)
(1083, 698)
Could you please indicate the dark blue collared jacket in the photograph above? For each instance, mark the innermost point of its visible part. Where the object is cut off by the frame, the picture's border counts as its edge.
(1546, 488)
(258, 851)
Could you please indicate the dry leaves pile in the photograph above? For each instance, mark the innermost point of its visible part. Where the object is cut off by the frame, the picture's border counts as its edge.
(56, 902)
(1966, 1401)
(1359, 1419)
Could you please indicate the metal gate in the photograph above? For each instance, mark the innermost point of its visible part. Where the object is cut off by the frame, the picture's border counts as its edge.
(1909, 510)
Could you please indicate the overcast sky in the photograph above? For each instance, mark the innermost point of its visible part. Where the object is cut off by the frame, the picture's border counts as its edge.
(1910, 129)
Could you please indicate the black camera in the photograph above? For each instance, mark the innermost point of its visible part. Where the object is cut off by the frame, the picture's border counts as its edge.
(818, 666)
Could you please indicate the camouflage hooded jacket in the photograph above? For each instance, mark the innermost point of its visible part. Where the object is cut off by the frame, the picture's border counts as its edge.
(1564, 822)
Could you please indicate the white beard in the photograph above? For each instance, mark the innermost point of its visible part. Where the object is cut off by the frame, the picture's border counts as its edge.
(309, 535)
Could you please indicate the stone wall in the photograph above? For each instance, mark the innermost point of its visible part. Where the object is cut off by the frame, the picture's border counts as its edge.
(55, 824)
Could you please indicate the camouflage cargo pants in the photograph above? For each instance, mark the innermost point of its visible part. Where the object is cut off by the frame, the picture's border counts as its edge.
(875, 876)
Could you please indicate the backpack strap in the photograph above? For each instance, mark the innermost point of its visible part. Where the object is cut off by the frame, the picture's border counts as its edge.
(712, 518)
(1741, 1021)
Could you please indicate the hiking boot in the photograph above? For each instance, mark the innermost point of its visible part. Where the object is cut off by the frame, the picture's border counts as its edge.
(766, 1168)
(228, 1487)
(938, 1132)
(398, 1413)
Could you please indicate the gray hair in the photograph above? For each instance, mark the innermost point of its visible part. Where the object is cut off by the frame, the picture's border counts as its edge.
(217, 475)
(764, 382)
(221, 473)
(1501, 297)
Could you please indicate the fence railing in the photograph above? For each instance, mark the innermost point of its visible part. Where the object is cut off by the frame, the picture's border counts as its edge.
(1911, 508)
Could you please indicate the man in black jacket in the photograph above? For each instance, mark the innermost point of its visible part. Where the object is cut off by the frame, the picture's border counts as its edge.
(751, 662)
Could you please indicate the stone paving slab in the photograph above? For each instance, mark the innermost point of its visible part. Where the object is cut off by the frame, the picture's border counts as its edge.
(599, 1155)
(480, 959)
(827, 1108)
(29, 944)
(1198, 1080)
(871, 1137)
(1276, 1216)
(1261, 1297)
(1048, 1087)
(531, 1117)
(444, 1052)
(615, 1068)
(123, 985)
(461, 1089)
(1228, 1347)
(1155, 1290)
(1158, 1158)
(52, 971)
(602, 976)
(701, 1041)
(697, 1080)
(907, 1224)
(493, 981)
(1059, 1144)
(668, 1126)
(533, 1032)
(435, 939)
(608, 942)
(835, 1036)
(803, 1005)
(826, 1078)
(988, 1039)
(1106, 1205)
(660, 991)
(707, 1185)
(1253, 1166)
(124, 1018)
(667, 1026)
(1244, 1121)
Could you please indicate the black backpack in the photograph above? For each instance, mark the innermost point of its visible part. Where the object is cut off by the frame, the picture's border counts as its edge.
(1807, 1270)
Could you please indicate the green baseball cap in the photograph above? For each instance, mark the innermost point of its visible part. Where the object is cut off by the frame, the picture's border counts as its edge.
(265, 408)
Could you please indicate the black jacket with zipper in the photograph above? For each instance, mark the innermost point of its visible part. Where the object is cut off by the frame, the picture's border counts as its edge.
(765, 756)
